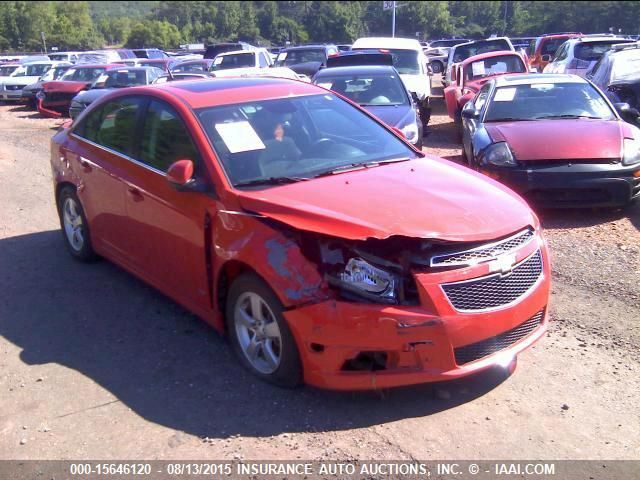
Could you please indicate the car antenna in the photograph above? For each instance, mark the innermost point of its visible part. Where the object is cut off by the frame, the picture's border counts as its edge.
(171, 78)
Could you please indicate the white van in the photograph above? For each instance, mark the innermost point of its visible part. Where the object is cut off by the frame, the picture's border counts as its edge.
(410, 62)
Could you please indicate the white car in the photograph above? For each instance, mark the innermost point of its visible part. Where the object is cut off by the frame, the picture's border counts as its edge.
(410, 62)
(257, 58)
(26, 74)
(578, 55)
(71, 57)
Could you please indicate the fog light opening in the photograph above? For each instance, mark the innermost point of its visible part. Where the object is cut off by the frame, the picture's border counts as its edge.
(367, 362)
(316, 347)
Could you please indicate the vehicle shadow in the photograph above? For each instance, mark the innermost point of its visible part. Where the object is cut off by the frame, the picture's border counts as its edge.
(586, 217)
(167, 365)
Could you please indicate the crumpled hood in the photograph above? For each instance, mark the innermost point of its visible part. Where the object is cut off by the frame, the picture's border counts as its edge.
(580, 139)
(418, 84)
(423, 198)
(394, 116)
(64, 86)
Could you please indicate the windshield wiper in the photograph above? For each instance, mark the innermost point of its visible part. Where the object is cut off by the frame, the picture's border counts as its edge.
(360, 165)
(270, 181)
(568, 116)
(512, 119)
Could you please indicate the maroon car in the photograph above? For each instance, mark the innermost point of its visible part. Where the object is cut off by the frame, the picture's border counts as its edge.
(55, 97)
(555, 139)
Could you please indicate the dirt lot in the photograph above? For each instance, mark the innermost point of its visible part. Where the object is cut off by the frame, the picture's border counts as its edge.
(96, 365)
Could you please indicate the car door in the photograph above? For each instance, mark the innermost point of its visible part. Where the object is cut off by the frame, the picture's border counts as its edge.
(98, 150)
(166, 226)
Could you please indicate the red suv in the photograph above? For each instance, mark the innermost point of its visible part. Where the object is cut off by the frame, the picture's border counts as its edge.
(327, 247)
(542, 49)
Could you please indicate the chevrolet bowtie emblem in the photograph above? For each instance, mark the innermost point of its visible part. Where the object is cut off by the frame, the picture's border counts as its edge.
(503, 264)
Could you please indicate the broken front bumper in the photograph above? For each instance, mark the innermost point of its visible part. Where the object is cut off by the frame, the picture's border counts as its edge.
(353, 346)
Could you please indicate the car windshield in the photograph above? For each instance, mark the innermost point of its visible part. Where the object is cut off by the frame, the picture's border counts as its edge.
(367, 89)
(626, 65)
(54, 73)
(82, 74)
(592, 51)
(550, 46)
(62, 57)
(190, 67)
(494, 66)
(462, 52)
(405, 61)
(6, 71)
(31, 70)
(547, 101)
(236, 60)
(294, 57)
(120, 79)
(296, 138)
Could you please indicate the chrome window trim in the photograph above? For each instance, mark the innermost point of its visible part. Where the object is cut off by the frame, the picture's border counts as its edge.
(487, 277)
(122, 155)
(487, 246)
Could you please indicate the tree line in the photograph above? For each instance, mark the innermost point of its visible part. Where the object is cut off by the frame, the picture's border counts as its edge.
(71, 25)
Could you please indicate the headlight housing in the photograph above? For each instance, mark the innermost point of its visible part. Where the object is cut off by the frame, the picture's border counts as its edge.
(363, 279)
(499, 155)
(631, 154)
(410, 132)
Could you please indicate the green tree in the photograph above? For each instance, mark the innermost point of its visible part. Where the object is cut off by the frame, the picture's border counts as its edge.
(154, 33)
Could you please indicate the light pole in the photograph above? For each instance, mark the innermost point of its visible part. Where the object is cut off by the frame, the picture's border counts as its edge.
(44, 43)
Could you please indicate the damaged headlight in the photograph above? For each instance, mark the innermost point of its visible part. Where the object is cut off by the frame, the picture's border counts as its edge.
(362, 278)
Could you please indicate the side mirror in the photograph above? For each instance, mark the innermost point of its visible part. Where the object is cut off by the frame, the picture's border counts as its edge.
(546, 58)
(626, 111)
(414, 97)
(180, 173)
(470, 113)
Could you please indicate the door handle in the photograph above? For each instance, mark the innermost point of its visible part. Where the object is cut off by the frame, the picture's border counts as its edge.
(86, 166)
(135, 194)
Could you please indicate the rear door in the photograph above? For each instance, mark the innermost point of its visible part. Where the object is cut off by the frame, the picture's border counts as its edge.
(98, 150)
(166, 234)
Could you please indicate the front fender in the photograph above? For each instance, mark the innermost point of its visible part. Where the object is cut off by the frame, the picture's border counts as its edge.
(273, 254)
(451, 95)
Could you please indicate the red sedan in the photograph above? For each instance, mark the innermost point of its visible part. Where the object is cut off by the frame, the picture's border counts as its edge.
(328, 248)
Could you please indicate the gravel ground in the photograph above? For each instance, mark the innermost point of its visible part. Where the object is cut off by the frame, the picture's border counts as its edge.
(96, 365)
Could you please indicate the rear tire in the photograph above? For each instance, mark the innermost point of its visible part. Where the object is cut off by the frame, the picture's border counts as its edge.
(75, 228)
(259, 333)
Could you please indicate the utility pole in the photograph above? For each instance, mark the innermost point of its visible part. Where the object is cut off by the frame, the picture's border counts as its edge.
(44, 42)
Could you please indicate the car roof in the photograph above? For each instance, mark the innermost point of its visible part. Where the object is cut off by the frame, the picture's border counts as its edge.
(141, 68)
(207, 93)
(613, 40)
(482, 56)
(350, 70)
(482, 40)
(237, 52)
(306, 47)
(536, 78)
(387, 42)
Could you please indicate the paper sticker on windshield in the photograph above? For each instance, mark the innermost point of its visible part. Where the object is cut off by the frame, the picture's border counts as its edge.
(217, 60)
(282, 56)
(477, 68)
(102, 78)
(239, 137)
(505, 95)
(326, 85)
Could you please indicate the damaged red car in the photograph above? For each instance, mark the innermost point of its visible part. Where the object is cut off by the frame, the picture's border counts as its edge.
(54, 99)
(469, 76)
(329, 249)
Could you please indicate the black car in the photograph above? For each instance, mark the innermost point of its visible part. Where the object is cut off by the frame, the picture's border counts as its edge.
(149, 53)
(617, 74)
(307, 59)
(110, 80)
(379, 90)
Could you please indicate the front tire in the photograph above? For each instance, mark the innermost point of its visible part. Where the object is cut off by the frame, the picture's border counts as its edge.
(259, 333)
(75, 228)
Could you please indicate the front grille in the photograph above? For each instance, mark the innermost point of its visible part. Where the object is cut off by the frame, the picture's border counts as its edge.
(484, 348)
(12, 87)
(495, 290)
(484, 252)
(58, 96)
